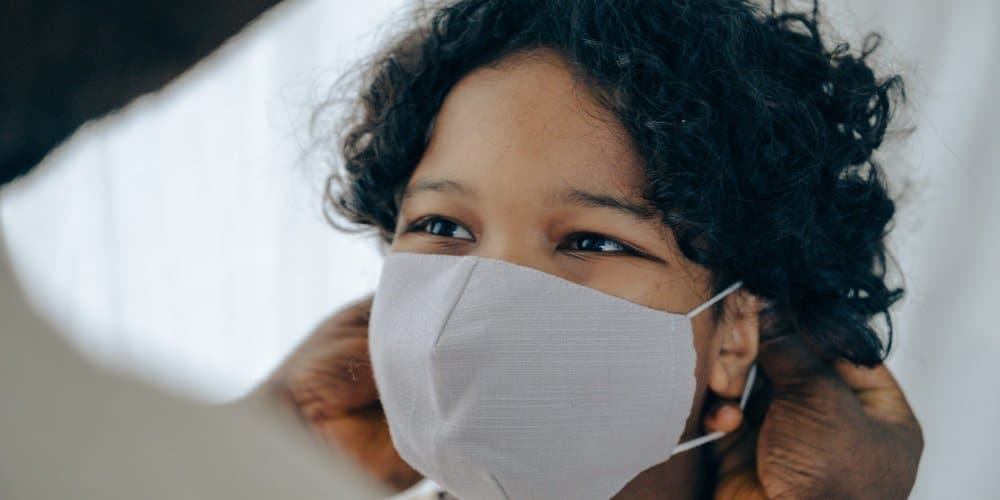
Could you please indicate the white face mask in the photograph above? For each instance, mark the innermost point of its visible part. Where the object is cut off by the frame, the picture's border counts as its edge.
(502, 381)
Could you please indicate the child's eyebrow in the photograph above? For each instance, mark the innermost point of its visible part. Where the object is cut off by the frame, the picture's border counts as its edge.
(439, 186)
(631, 208)
(569, 195)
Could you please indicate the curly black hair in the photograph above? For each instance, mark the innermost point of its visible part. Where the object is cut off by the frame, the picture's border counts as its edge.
(757, 139)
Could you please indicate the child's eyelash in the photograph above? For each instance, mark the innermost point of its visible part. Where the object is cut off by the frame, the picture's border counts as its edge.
(421, 224)
(625, 249)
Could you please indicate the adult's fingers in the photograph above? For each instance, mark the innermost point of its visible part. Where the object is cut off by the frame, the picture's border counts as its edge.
(338, 381)
(351, 321)
(735, 465)
(880, 394)
(863, 378)
(331, 372)
(787, 360)
(724, 416)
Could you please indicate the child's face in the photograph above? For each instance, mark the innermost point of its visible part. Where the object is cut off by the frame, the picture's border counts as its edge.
(524, 166)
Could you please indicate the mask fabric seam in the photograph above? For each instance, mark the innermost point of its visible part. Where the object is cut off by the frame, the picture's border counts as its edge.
(437, 432)
(499, 486)
(458, 298)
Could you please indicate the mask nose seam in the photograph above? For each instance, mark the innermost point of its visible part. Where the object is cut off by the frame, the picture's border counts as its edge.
(458, 297)
(496, 483)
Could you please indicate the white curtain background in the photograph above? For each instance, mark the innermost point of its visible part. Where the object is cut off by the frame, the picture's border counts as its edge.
(182, 239)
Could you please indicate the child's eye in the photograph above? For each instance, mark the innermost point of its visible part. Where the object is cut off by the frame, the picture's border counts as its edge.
(591, 242)
(438, 226)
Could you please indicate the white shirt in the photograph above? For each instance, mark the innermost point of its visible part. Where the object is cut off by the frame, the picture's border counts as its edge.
(69, 430)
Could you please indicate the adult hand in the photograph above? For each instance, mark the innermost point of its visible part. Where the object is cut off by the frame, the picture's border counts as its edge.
(328, 381)
(841, 431)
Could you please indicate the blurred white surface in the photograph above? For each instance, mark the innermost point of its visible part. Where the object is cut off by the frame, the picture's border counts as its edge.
(183, 238)
(947, 237)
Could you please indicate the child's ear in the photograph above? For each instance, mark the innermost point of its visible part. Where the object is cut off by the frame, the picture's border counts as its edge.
(739, 331)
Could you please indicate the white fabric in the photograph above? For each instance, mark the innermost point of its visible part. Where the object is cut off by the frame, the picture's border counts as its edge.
(502, 381)
(425, 489)
(183, 239)
(71, 431)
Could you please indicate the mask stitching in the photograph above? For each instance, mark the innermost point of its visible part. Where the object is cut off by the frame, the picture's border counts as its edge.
(499, 487)
(461, 293)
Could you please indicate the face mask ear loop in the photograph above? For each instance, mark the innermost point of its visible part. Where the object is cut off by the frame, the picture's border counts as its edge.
(751, 375)
(715, 298)
(751, 378)
(708, 438)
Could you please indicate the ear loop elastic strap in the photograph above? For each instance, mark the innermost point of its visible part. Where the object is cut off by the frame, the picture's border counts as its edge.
(751, 376)
(715, 298)
(708, 438)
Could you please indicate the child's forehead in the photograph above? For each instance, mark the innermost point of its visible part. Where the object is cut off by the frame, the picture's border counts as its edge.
(527, 86)
(530, 123)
